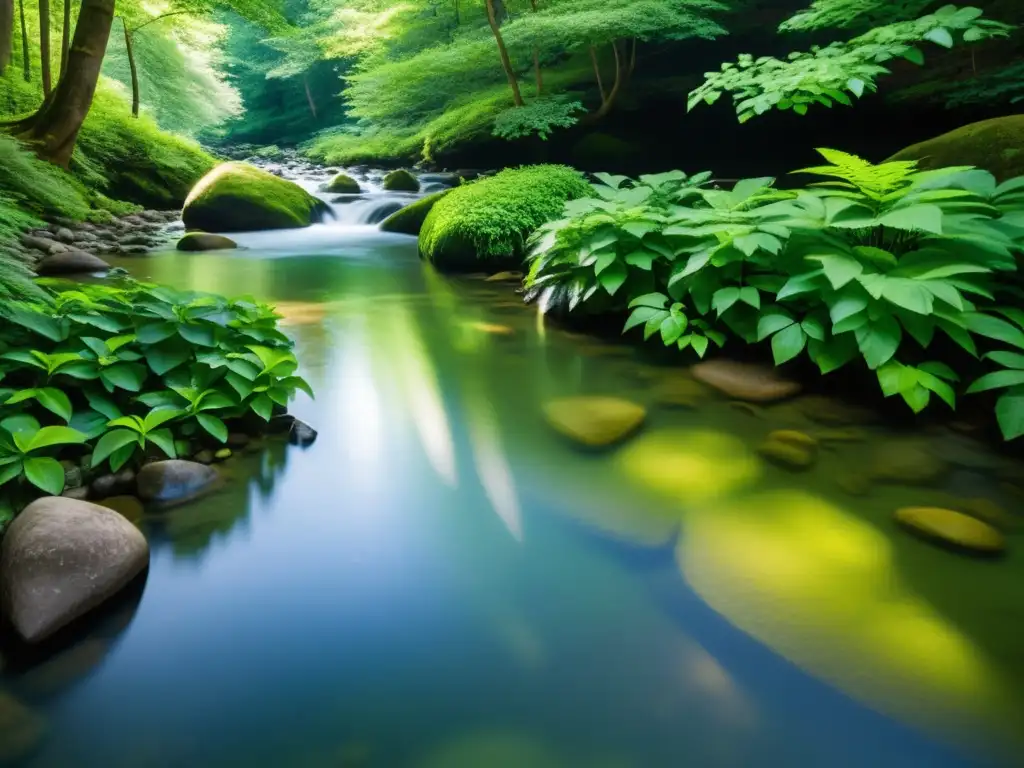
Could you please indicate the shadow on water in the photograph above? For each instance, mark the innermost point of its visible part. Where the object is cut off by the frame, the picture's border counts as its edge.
(439, 582)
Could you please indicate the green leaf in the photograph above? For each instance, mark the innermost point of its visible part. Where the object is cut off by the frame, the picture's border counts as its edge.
(127, 376)
(997, 380)
(10, 471)
(110, 442)
(55, 401)
(850, 304)
(89, 423)
(907, 294)
(658, 300)
(166, 357)
(672, 327)
(159, 416)
(241, 385)
(879, 341)
(1010, 414)
(245, 369)
(263, 406)
(927, 218)
(788, 343)
(724, 299)
(695, 263)
(201, 335)
(122, 455)
(940, 370)
(32, 318)
(22, 422)
(45, 474)
(164, 440)
(1007, 359)
(838, 269)
(750, 296)
(214, 426)
(940, 36)
(834, 353)
(699, 344)
(50, 436)
(772, 323)
(154, 333)
(611, 279)
(994, 328)
(641, 259)
(639, 316)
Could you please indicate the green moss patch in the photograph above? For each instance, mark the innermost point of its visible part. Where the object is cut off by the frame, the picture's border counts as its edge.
(235, 197)
(343, 184)
(401, 181)
(485, 224)
(409, 220)
(996, 145)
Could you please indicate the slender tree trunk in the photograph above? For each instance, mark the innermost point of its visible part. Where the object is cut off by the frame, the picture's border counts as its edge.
(44, 46)
(607, 102)
(309, 96)
(6, 32)
(65, 38)
(26, 60)
(54, 128)
(506, 62)
(597, 74)
(538, 75)
(129, 48)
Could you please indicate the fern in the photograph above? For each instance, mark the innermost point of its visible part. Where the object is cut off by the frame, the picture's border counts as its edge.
(538, 118)
(875, 181)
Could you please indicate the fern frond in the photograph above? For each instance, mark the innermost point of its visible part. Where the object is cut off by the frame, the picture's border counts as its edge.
(873, 180)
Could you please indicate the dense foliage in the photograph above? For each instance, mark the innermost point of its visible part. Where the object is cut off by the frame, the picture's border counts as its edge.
(131, 370)
(871, 266)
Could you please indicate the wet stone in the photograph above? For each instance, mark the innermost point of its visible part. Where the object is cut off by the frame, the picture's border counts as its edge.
(951, 528)
(790, 449)
(595, 422)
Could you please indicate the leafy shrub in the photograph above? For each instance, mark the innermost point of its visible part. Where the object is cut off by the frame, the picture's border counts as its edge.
(131, 368)
(488, 221)
(869, 265)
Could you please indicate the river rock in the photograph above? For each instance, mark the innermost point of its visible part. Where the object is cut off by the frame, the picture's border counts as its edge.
(174, 480)
(952, 528)
(223, 454)
(44, 244)
(71, 263)
(79, 494)
(128, 507)
(301, 434)
(832, 412)
(790, 449)
(21, 730)
(204, 241)
(60, 559)
(745, 381)
(907, 461)
(343, 184)
(679, 390)
(114, 484)
(64, 235)
(235, 197)
(595, 422)
(400, 181)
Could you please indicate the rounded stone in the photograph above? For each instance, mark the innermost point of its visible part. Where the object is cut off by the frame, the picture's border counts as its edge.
(60, 559)
(71, 263)
(223, 454)
(174, 480)
(790, 449)
(204, 241)
(595, 422)
(745, 381)
(907, 461)
(952, 528)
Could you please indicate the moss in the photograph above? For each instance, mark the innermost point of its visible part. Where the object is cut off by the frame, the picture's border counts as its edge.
(409, 220)
(344, 184)
(401, 181)
(996, 145)
(485, 224)
(236, 197)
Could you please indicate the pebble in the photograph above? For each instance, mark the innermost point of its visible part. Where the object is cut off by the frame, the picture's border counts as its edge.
(952, 528)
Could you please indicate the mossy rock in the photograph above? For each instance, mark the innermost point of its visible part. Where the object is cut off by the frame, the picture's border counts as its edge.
(483, 226)
(401, 181)
(204, 241)
(409, 220)
(952, 529)
(235, 197)
(343, 184)
(996, 145)
(595, 422)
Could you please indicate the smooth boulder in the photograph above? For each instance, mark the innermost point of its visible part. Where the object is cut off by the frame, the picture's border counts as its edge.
(996, 145)
(409, 220)
(790, 449)
(745, 381)
(204, 241)
(174, 480)
(954, 529)
(235, 197)
(60, 559)
(401, 181)
(594, 422)
(71, 263)
(343, 184)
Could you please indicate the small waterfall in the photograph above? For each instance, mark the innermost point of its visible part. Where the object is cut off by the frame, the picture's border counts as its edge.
(362, 210)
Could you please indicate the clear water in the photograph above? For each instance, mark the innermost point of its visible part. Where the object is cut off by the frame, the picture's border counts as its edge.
(440, 582)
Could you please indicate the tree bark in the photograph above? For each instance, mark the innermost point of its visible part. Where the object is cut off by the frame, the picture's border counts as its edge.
(132, 68)
(597, 74)
(6, 32)
(607, 102)
(536, 60)
(65, 38)
(506, 62)
(44, 46)
(26, 60)
(54, 129)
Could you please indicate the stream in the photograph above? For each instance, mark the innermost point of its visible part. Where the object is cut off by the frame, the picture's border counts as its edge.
(441, 581)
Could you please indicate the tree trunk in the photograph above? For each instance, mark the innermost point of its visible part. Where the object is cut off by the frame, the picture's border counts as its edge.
(536, 61)
(26, 60)
(506, 62)
(309, 96)
(44, 46)
(54, 128)
(607, 102)
(129, 48)
(6, 32)
(597, 74)
(65, 38)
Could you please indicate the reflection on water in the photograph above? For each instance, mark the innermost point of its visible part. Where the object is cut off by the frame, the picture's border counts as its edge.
(440, 582)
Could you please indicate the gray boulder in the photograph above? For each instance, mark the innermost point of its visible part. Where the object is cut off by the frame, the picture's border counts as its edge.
(71, 263)
(60, 559)
(204, 241)
(174, 480)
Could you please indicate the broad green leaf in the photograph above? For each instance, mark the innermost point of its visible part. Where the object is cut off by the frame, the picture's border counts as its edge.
(154, 333)
(788, 343)
(940, 36)
(699, 344)
(10, 471)
(127, 376)
(994, 328)
(90, 423)
(201, 335)
(639, 316)
(45, 474)
(997, 380)
(849, 304)
(940, 370)
(164, 440)
(750, 296)
(879, 341)
(159, 416)
(672, 327)
(299, 383)
(641, 259)
(834, 353)
(611, 280)
(214, 426)
(166, 356)
(263, 406)
(694, 264)
(724, 299)
(1007, 359)
(838, 269)
(122, 455)
(926, 218)
(907, 294)
(1010, 414)
(213, 401)
(658, 300)
(110, 442)
(55, 401)
(21, 422)
(50, 436)
(771, 323)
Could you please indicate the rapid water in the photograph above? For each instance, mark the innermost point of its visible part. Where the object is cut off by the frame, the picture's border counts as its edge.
(441, 582)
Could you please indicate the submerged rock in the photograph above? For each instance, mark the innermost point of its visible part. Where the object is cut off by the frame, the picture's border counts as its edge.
(235, 197)
(301, 434)
(790, 449)
(61, 558)
(745, 381)
(174, 480)
(832, 412)
(128, 507)
(679, 390)
(908, 461)
(401, 181)
(204, 241)
(596, 422)
(952, 528)
(71, 263)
